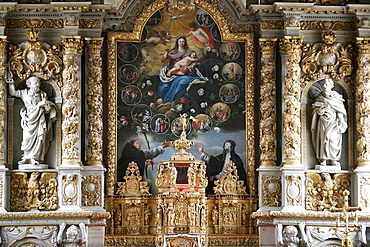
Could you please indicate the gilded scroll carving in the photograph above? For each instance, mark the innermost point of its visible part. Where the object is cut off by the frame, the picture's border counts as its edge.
(72, 46)
(290, 47)
(34, 58)
(324, 191)
(94, 133)
(33, 191)
(267, 103)
(133, 185)
(328, 58)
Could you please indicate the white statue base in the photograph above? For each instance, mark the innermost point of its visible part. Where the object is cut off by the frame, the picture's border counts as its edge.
(328, 168)
(25, 167)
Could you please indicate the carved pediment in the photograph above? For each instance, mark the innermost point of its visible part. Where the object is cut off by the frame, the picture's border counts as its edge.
(229, 184)
(133, 185)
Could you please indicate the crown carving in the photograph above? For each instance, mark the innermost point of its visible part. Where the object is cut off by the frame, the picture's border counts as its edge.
(33, 34)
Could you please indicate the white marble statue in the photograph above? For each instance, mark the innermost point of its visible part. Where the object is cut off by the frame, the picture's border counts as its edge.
(37, 117)
(329, 122)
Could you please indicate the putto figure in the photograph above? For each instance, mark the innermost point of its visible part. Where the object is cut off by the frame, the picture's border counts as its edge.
(329, 122)
(37, 117)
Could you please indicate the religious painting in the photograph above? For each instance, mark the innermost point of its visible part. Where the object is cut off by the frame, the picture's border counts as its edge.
(180, 66)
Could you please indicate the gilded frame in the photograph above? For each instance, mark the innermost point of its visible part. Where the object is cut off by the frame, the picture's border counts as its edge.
(227, 36)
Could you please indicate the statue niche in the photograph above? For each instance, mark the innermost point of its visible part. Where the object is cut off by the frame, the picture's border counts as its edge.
(327, 124)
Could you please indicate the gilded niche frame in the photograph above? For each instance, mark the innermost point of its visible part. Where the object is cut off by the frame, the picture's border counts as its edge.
(222, 22)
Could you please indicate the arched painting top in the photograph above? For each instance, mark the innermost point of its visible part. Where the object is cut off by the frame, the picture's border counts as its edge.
(223, 22)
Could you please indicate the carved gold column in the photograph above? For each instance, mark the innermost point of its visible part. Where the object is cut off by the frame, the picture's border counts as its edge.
(94, 132)
(362, 172)
(293, 179)
(290, 48)
(363, 103)
(269, 180)
(69, 178)
(268, 102)
(72, 49)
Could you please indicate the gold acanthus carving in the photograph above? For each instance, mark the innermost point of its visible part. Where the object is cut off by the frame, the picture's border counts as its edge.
(33, 191)
(271, 196)
(133, 186)
(324, 191)
(327, 59)
(35, 58)
(267, 102)
(69, 189)
(91, 191)
(229, 183)
(363, 101)
(290, 48)
(93, 23)
(129, 240)
(328, 25)
(94, 133)
(35, 23)
(72, 47)
(3, 56)
(274, 24)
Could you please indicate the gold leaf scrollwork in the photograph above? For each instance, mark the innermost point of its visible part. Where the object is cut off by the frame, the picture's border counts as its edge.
(35, 58)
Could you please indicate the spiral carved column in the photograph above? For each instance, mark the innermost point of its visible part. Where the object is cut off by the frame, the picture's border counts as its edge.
(3, 54)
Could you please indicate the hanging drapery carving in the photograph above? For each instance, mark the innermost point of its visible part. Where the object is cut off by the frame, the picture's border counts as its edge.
(72, 47)
(290, 48)
(94, 133)
(268, 102)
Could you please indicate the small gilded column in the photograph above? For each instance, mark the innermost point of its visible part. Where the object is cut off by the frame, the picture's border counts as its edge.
(362, 172)
(290, 48)
(269, 180)
(93, 173)
(72, 50)
(268, 102)
(363, 103)
(94, 133)
(69, 178)
(293, 179)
